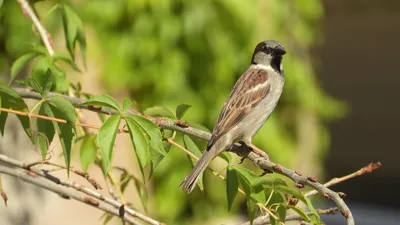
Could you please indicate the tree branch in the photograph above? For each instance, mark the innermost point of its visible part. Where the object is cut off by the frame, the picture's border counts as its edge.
(63, 191)
(242, 151)
(98, 198)
(263, 220)
(366, 169)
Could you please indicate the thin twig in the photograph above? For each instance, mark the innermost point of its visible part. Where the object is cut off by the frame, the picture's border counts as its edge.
(63, 191)
(45, 36)
(28, 114)
(78, 187)
(366, 169)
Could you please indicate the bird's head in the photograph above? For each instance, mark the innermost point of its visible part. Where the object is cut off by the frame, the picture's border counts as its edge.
(269, 53)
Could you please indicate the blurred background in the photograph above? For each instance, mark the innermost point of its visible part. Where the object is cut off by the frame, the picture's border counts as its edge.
(338, 111)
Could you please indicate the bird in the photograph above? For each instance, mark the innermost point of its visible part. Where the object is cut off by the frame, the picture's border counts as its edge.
(249, 105)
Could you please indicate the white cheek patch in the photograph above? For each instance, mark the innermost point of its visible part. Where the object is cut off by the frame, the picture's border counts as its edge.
(281, 68)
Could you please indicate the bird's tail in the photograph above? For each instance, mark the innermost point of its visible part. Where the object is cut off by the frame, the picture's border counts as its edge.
(189, 183)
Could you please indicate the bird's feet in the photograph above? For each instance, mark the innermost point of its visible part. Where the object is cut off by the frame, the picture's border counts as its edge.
(256, 150)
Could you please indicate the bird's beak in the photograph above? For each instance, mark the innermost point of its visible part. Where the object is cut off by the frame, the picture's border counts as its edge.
(279, 50)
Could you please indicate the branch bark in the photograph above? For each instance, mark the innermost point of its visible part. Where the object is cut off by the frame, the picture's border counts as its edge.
(90, 196)
(242, 151)
(63, 191)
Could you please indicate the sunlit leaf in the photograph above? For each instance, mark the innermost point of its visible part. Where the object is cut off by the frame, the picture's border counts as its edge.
(181, 110)
(12, 100)
(19, 64)
(63, 109)
(104, 101)
(159, 111)
(126, 104)
(232, 185)
(88, 151)
(106, 138)
(73, 29)
(139, 141)
(61, 56)
(300, 211)
(46, 131)
(226, 156)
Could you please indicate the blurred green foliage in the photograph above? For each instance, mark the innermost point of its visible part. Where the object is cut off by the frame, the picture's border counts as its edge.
(168, 52)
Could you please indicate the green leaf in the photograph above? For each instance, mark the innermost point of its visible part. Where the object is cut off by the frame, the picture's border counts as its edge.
(232, 186)
(48, 83)
(19, 64)
(73, 29)
(139, 141)
(252, 209)
(300, 211)
(226, 156)
(124, 180)
(12, 100)
(61, 56)
(3, 119)
(88, 151)
(63, 109)
(153, 132)
(192, 147)
(142, 193)
(46, 131)
(126, 104)
(181, 110)
(249, 175)
(281, 212)
(34, 84)
(159, 111)
(104, 101)
(106, 138)
(108, 218)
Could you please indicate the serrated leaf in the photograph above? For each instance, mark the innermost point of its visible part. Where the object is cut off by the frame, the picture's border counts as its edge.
(181, 110)
(19, 64)
(61, 56)
(159, 111)
(192, 147)
(106, 139)
(46, 131)
(104, 101)
(232, 185)
(226, 156)
(63, 109)
(139, 141)
(88, 151)
(73, 29)
(249, 175)
(12, 100)
(153, 132)
(300, 211)
(126, 104)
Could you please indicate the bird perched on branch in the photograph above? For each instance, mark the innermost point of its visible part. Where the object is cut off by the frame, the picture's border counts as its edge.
(249, 105)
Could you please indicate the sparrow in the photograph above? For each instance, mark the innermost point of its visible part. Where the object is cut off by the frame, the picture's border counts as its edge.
(249, 105)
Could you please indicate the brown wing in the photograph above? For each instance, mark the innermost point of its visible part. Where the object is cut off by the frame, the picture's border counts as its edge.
(248, 91)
